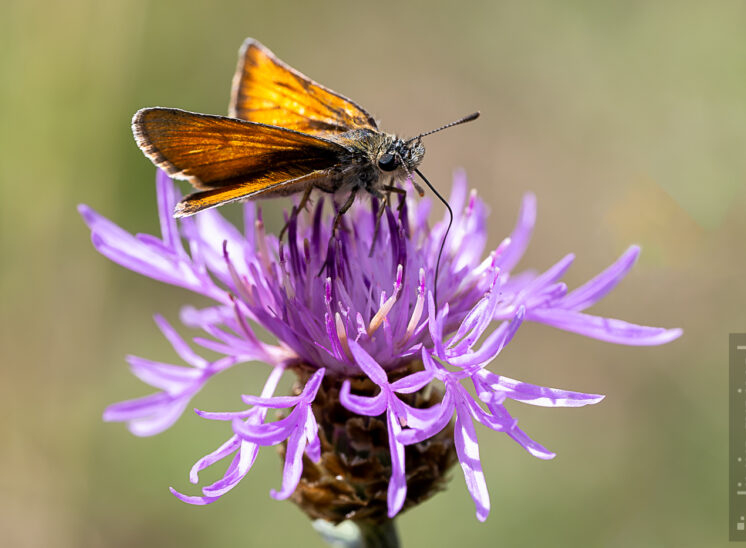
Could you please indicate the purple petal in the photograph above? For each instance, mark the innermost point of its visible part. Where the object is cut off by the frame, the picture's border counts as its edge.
(293, 464)
(213, 315)
(412, 383)
(128, 251)
(397, 490)
(474, 316)
(550, 276)
(214, 231)
(230, 446)
(167, 196)
(432, 421)
(368, 364)
(370, 406)
(270, 433)
(467, 448)
(431, 366)
(459, 189)
(313, 449)
(150, 414)
(194, 500)
(419, 418)
(277, 402)
(485, 313)
(533, 394)
(535, 449)
(604, 329)
(247, 451)
(597, 288)
(275, 432)
(240, 466)
(169, 378)
(182, 348)
(435, 324)
(521, 235)
(502, 416)
(493, 345)
(227, 415)
(139, 407)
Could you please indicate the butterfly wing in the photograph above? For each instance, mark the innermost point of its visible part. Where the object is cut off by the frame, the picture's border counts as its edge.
(268, 91)
(197, 201)
(231, 159)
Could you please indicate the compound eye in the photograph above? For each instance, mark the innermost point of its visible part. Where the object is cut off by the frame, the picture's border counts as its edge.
(387, 162)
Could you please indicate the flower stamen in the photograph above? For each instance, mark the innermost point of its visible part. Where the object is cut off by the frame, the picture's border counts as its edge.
(342, 335)
(418, 307)
(387, 305)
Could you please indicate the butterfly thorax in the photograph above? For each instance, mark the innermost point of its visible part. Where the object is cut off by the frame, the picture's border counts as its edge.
(377, 159)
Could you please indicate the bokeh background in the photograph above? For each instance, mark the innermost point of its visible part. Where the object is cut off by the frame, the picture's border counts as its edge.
(627, 119)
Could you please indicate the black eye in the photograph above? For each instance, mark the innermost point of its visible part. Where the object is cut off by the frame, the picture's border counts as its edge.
(387, 162)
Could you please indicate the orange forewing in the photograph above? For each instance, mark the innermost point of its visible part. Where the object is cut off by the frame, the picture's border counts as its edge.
(229, 158)
(268, 91)
(214, 151)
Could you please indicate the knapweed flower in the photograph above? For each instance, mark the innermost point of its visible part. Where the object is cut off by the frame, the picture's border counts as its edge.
(382, 405)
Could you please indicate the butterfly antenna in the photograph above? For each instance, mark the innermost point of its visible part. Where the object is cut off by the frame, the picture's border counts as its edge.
(471, 117)
(443, 242)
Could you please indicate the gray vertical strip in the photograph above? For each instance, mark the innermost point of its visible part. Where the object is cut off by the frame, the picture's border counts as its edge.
(737, 437)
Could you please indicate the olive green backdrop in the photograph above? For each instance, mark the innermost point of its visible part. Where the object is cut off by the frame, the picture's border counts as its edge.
(628, 120)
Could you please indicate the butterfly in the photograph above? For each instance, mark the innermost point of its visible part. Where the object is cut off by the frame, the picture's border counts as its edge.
(284, 134)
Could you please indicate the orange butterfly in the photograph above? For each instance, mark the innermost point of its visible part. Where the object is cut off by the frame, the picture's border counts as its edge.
(284, 134)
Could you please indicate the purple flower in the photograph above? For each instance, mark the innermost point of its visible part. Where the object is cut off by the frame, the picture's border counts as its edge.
(368, 321)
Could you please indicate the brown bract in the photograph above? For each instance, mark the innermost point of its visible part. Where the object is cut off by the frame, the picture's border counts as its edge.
(351, 479)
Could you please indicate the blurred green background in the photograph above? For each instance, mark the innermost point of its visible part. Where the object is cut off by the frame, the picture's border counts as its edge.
(628, 120)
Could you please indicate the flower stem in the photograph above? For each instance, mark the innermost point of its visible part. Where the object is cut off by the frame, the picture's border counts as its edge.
(381, 535)
(349, 534)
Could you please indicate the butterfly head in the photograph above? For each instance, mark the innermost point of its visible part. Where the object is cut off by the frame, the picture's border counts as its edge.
(407, 155)
(402, 156)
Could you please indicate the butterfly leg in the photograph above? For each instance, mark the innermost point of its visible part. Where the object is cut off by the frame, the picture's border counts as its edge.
(297, 209)
(337, 219)
(384, 204)
(304, 199)
(392, 188)
(342, 210)
(400, 191)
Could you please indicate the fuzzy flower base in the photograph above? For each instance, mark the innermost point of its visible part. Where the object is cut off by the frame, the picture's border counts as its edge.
(381, 407)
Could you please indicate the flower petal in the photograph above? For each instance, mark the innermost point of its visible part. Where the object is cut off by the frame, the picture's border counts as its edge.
(293, 464)
(179, 345)
(412, 383)
(521, 235)
(597, 288)
(368, 364)
(467, 448)
(397, 490)
(604, 329)
(363, 405)
(535, 395)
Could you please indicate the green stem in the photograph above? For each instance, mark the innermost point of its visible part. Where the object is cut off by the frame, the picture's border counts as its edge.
(379, 535)
(349, 534)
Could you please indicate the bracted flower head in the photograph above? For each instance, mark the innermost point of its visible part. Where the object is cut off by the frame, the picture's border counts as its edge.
(381, 407)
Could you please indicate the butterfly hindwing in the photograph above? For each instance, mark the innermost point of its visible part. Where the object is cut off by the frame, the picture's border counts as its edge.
(268, 91)
(198, 201)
